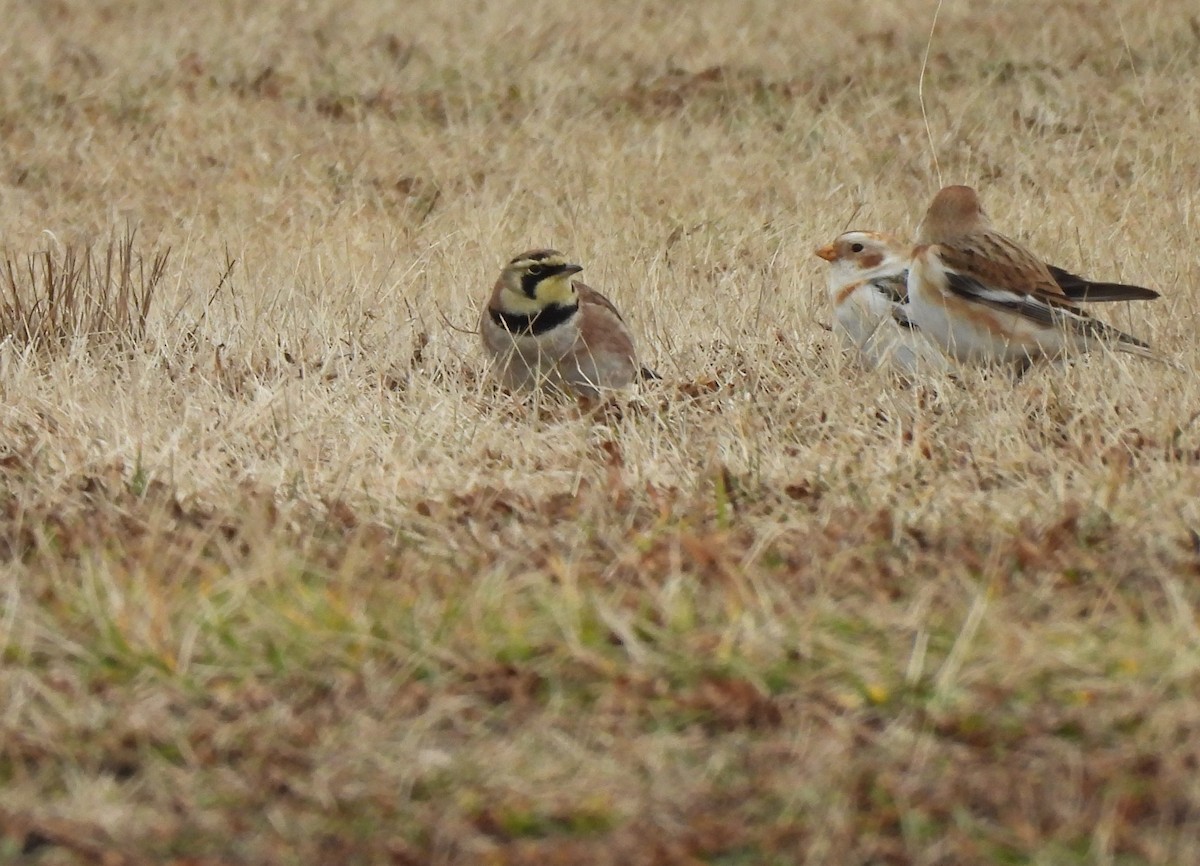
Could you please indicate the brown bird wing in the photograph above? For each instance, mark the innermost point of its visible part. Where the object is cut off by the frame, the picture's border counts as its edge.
(588, 295)
(1081, 290)
(1001, 263)
(618, 339)
(604, 330)
(1046, 310)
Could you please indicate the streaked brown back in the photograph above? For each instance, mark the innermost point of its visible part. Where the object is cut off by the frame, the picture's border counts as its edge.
(1001, 262)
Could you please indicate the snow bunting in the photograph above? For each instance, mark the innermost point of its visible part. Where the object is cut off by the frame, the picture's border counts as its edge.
(541, 328)
(867, 286)
(982, 296)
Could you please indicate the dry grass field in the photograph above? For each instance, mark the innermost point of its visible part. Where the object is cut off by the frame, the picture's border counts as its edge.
(285, 580)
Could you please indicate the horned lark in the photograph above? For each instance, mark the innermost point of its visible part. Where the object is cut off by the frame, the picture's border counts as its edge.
(867, 286)
(542, 328)
(982, 296)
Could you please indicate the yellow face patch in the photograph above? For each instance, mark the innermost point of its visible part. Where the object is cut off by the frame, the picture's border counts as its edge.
(516, 301)
(535, 281)
(557, 289)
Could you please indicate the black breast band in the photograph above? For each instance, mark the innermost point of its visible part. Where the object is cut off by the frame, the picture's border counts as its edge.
(524, 324)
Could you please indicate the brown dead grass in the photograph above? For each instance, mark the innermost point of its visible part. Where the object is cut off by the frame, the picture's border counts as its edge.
(286, 581)
(57, 299)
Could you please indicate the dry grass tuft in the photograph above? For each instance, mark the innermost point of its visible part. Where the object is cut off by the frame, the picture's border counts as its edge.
(59, 298)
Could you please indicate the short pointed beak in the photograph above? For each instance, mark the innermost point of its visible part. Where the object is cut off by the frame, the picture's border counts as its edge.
(827, 252)
(572, 269)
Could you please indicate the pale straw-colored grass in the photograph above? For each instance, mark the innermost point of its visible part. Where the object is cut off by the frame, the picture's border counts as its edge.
(287, 581)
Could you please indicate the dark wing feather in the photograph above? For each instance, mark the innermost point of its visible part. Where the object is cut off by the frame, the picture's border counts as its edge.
(1050, 311)
(1082, 290)
(900, 317)
(1027, 305)
(894, 287)
(997, 261)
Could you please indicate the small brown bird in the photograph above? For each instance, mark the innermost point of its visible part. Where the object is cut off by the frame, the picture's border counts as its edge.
(982, 296)
(543, 329)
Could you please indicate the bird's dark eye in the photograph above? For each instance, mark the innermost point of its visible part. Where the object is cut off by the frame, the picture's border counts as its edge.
(856, 248)
(536, 270)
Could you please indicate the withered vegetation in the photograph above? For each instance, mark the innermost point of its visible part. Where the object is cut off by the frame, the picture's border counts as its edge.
(54, 299)
(284, 579)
